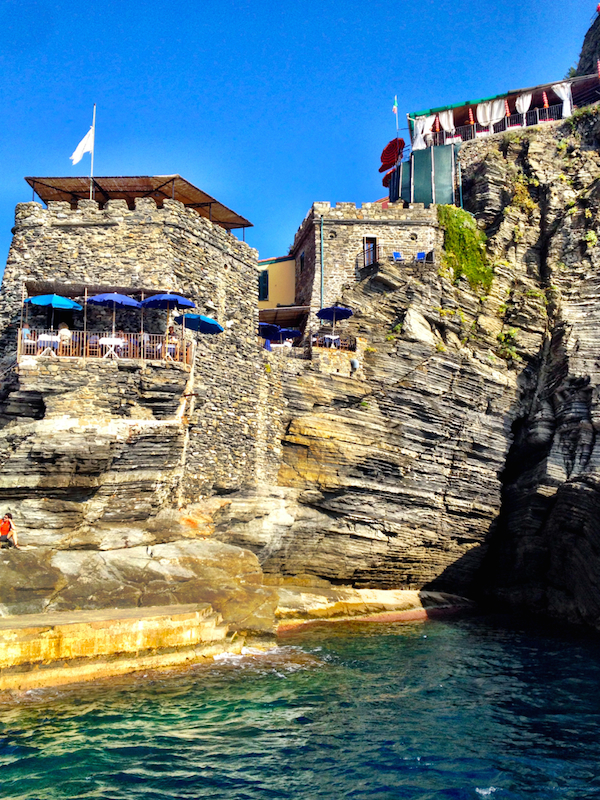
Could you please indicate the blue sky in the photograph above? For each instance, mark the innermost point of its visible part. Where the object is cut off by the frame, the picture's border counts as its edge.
(266, 106)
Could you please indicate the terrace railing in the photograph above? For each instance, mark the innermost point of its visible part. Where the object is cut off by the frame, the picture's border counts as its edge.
(335, 341)
(103, 345)
(465, 133)
(401, 257)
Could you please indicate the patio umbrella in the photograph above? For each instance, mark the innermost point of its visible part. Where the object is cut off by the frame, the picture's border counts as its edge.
(167, 300)
(199, 323)
(115, 299)
(289, 333)
(268, 331)
(54, 301)
(335, 314)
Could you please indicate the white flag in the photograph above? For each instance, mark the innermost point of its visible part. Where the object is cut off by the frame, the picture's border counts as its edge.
(86, 145)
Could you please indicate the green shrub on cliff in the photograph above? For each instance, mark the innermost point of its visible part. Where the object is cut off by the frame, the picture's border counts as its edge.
(464, 247)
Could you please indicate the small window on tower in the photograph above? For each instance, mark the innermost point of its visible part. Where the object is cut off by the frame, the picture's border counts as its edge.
(302, 262)
(263, 285)
(370, 251)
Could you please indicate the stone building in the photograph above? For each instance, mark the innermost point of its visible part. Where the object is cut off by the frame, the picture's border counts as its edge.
(334, 245)
(135, 436)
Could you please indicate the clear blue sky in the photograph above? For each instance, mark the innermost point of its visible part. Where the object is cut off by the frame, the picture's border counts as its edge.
(266, 106)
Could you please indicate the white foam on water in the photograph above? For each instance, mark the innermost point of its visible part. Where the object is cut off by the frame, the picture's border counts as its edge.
(227, 657)
(486, 792)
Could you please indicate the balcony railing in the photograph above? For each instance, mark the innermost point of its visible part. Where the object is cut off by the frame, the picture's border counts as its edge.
(104, 345)
(381, 254)
(465, 133)
(334, 341)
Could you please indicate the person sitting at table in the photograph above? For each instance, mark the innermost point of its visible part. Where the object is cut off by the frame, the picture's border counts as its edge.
(172, 337)
(288, 343)
(64, 339)
(27, 339)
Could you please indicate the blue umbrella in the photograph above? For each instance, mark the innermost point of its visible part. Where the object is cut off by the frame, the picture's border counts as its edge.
(167, 300)
(114, 299)
(199, 323)
(335, 313)
(54, 301)
(289, 333)
(268, 331)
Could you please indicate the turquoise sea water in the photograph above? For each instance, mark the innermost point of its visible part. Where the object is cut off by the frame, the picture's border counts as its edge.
(464, 708)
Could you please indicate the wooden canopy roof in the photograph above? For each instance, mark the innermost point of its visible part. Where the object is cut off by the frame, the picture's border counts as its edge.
(289, 316)
(160, 187)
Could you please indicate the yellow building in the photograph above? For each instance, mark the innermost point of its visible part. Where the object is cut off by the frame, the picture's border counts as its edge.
(277, 282)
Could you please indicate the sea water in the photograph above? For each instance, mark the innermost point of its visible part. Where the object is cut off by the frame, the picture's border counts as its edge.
(463, 708)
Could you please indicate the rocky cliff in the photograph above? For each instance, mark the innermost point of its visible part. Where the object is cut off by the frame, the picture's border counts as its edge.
(461, 455)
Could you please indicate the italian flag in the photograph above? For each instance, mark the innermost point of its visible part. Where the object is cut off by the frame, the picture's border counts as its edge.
(395, 106)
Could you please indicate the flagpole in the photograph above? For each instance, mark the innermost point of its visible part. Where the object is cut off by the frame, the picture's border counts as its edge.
(93, 145)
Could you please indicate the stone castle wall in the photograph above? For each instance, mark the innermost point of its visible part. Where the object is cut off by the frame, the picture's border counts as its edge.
(345, 226)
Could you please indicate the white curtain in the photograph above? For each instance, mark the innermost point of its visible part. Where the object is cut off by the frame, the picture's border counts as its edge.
(447, 120)
(490, 113)
(563, 90)
(422, 125)
(523, 102)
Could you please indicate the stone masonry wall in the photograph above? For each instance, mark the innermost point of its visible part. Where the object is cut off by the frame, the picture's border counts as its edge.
(406, 230)
(151, 249)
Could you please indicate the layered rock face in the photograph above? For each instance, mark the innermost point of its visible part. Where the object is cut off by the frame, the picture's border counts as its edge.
(457, 453)
(462, 455)
(543, 192)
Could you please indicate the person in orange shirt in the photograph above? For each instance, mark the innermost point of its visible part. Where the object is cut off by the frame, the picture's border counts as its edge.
(8, 532)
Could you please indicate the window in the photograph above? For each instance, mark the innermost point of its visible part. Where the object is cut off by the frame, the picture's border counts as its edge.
(370, 251)
(263, 285)
(302, 262)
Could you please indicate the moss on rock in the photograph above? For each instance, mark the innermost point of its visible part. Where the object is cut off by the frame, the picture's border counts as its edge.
(464, 247)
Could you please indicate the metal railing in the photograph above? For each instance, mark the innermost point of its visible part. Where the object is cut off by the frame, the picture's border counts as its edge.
(334, 341)
(369, 256)
(103, 345)
(407, 258)
(465, 133)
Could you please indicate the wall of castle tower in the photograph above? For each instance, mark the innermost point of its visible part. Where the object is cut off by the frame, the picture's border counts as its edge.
(170, 249)
(345, 228)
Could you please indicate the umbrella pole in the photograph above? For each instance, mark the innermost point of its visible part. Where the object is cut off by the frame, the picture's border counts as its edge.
(85, 322)
(143, 349)
(21, 327)
(113, 329)
(166, 350)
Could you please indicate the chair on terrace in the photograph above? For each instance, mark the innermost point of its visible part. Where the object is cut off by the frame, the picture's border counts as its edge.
(93, 348)
(398, 257)
(420, 258)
